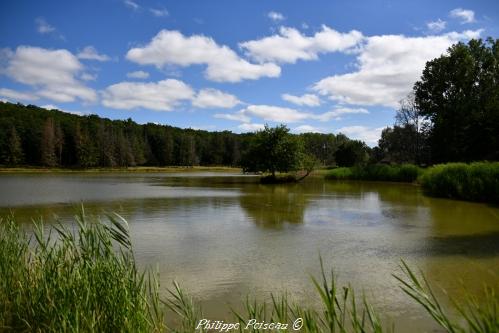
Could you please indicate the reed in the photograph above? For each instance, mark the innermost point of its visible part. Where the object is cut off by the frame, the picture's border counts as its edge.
(478, 181)
(87, 280)
(377, 172)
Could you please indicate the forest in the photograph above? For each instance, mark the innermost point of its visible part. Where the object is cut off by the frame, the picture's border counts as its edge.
(34, 136)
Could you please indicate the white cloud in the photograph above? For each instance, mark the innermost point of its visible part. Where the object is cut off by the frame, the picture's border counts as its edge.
(88, 77)
(388, 66)
(159, 12)
(286, 115)
(17, 96)
(131, 4)
(436, 26)
(290, 45)
(275, 113)
(307, 129)
(159, 96)
(212, 98)
(90, 53)
(137, 75)
(275, 16)
(307, 99)
(465, 15)
(338, 112)
(50, 107)
(367, 134)
(239, 116)
(223, 64)
(53, 73)
(248, 127)
(43, 27)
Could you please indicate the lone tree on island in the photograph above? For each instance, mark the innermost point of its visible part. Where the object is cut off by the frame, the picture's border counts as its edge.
(274, 149)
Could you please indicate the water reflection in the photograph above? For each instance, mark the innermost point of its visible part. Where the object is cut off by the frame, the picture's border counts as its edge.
(273, 206)
(226, 236)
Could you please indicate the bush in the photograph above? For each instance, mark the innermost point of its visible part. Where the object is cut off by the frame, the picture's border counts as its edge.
(477, 181)
(377, 172)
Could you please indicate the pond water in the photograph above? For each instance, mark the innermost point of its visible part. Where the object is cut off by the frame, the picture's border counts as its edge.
(224, 236)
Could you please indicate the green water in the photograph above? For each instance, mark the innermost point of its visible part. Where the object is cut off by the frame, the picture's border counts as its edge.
(223, 236)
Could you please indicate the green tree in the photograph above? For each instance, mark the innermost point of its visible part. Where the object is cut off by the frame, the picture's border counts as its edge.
(273, 149)
(48, 144)
(351, 152)
(14, 151)
(459, 93)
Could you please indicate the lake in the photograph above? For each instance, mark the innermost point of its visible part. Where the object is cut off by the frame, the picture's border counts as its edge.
(223, 236)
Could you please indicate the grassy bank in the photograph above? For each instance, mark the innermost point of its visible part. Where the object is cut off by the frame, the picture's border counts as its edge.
(377, 172)
(141, 169)
(87, 281)
(477, 181)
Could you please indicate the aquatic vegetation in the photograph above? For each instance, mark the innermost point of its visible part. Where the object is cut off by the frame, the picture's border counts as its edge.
(86, 280)
(377, 172)
(477, 181)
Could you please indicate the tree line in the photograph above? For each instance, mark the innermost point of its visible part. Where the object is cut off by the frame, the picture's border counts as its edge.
(452, 114)
(34, 136)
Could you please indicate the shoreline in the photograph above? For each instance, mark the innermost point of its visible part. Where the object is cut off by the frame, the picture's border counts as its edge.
(167, 169)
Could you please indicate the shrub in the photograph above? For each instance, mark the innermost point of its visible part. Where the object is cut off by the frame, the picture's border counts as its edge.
(478, 181)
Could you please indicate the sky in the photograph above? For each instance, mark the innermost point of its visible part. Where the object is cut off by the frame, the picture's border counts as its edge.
(316, 66)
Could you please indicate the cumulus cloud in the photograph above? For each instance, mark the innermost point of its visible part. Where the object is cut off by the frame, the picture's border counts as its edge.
(307, 99)
(137, 75)
(213, 98)
(465, 15)
(388, 66)
(159, 96)
(307, 129)
(53, 73)
(337, 113)
(249, 127)
(90, 53)
(286, 115)
(275, 113)
(223, 64)
(369, 135)
(17, 96)
(436, 26)
(290, 45)
(275, 16)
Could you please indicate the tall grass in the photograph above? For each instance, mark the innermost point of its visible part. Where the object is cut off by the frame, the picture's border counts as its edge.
(84, 281)
(477, 181)
(377, 172)
(87, 281)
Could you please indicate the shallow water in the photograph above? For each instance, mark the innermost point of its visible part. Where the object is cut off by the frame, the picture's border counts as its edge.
(223, 236)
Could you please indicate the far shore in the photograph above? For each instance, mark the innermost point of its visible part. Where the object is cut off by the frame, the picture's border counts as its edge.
(168, 169)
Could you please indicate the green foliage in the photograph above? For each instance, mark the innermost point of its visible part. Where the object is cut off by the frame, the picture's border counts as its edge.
(34, 136)
(74, 282)
(377, 172)
(459, 94)
(477, 181)
(87, 281)
(479, 317)
(272, 150)
(351, 152)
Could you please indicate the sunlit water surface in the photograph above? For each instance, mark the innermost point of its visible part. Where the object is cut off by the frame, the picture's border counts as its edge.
(224, 236)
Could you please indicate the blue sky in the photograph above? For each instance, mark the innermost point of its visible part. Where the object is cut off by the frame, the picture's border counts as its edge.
(325, 66)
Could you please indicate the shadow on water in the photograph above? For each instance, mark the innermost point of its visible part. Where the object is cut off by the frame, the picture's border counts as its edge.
(481, 245)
